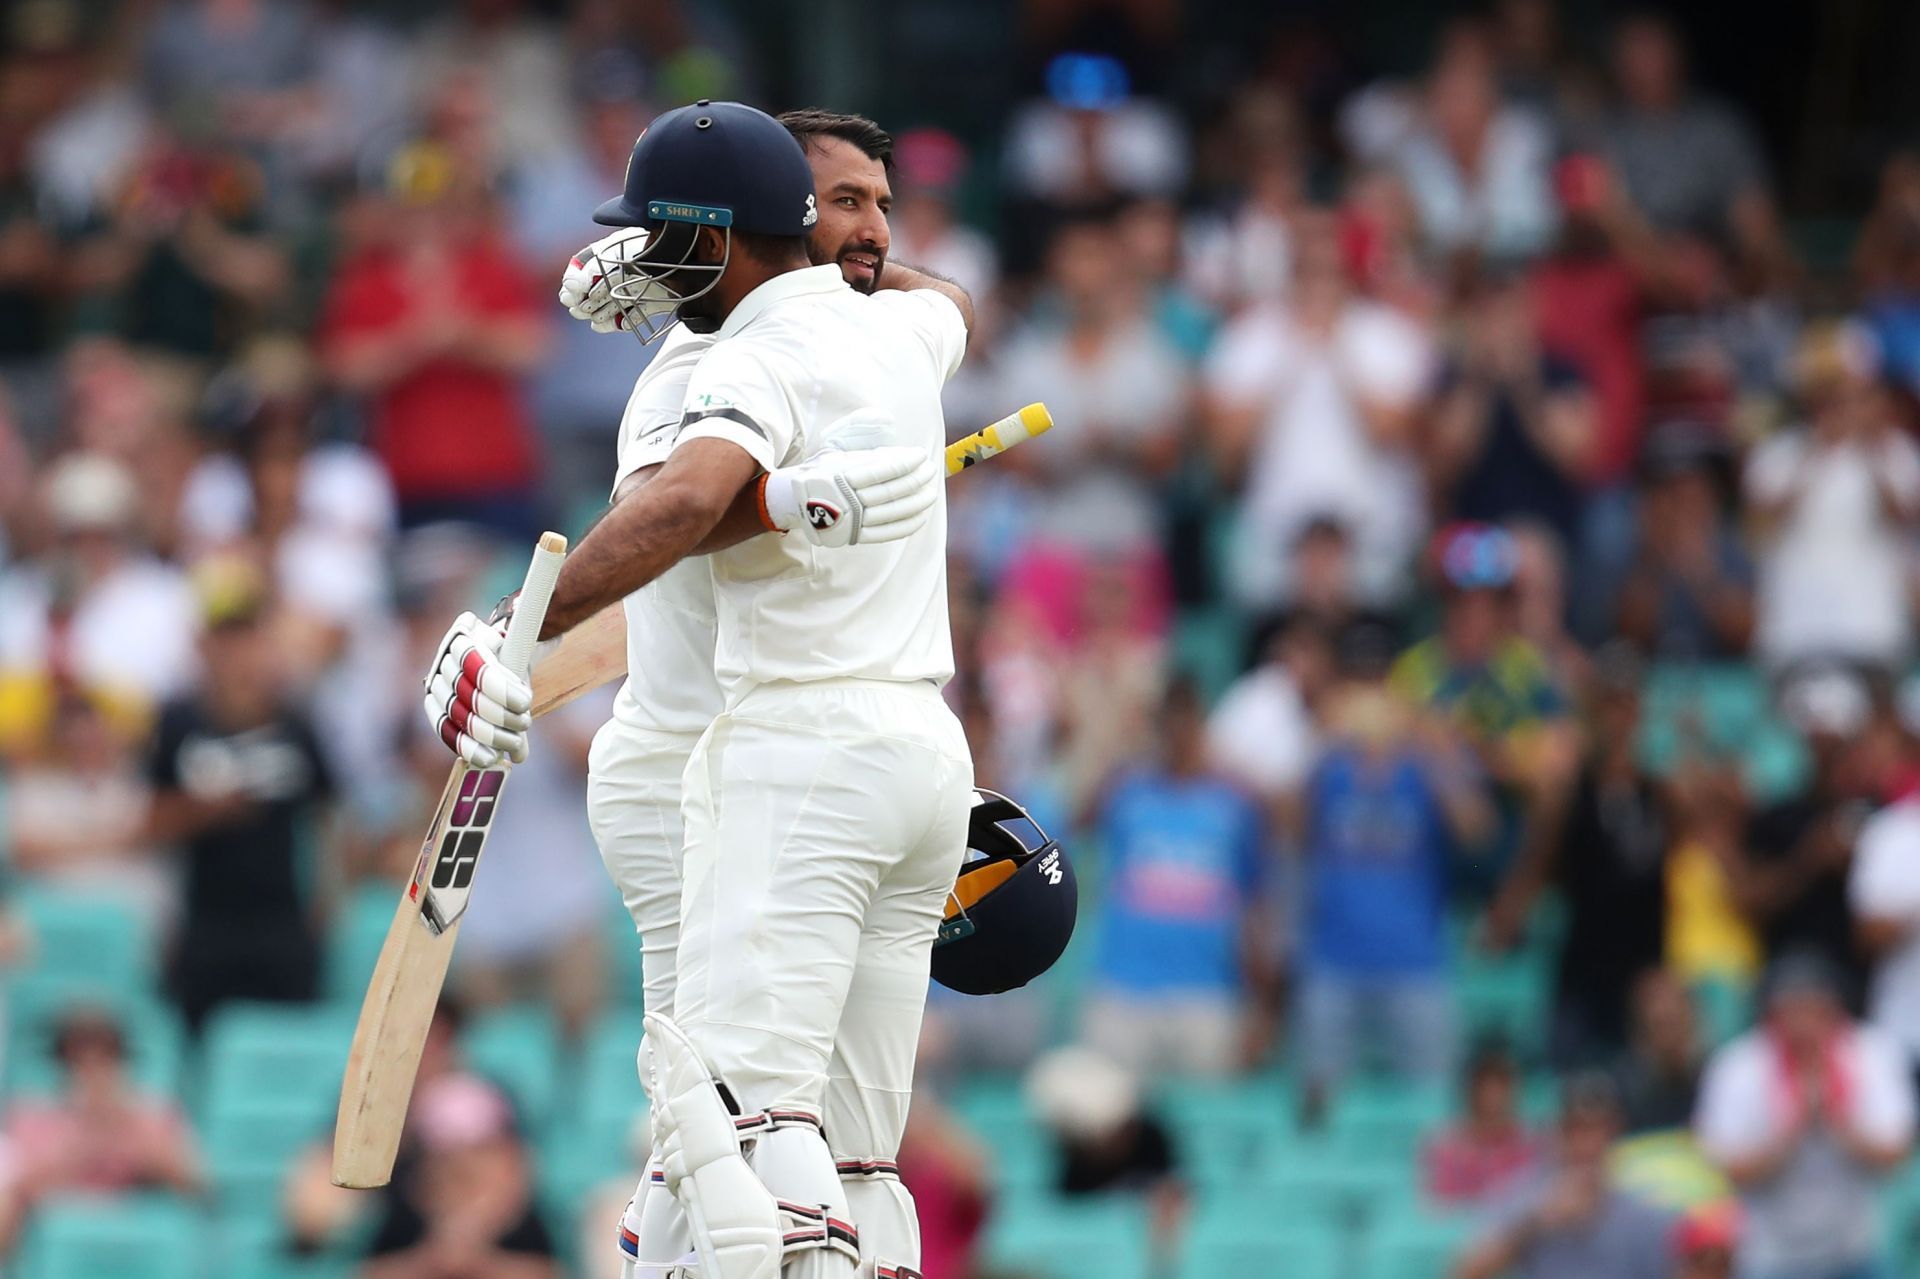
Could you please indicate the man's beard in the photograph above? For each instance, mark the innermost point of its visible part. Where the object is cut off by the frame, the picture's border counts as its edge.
(866, 254)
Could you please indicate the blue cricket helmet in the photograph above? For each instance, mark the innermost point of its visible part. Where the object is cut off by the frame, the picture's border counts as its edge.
(1012, 909)
(719, 164)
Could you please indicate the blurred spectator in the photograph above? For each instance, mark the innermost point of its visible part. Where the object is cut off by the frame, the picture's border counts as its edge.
(1836, 500)
(320, 517)
(435, 324)
(99, 1136)
(520, 59)
(1090, 139)
(1120, 389)
(1513, 426)
(1495, 689)
(1799, 850)
(239, 787)
(927, 232)
(66, 617)
(1884, 892)
(1183, 931)
(1543, 597)
(1806, 1114)
(183, 262)
(1109, 1141)
(1706, 1242)
(1607, 851)
(1473, 1163)
(80, 116)
(1887, 260)
(1660, 1074)
(1569, 1221)
(1709, 937)
(1689, 163)
(76, 814)
(469, 1212)
(1477, 169)
(1314, 400)
(948, 1172)
(1392, 794)
(1588, 292)
(582, 384)
(1245, 256)
(1688, 594)
(1263, 731)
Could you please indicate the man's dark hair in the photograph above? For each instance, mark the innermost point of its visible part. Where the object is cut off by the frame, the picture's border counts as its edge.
(810, 124)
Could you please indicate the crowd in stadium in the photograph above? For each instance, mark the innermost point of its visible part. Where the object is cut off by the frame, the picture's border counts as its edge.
(1460, 627)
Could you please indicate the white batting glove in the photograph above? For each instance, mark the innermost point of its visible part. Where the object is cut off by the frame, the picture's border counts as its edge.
(480, 709)
(852, 498)
(585, 287)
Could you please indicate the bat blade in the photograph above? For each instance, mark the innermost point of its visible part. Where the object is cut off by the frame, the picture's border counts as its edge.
(394, 1018)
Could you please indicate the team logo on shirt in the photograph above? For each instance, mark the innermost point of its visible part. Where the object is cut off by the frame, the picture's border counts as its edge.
(822, 514)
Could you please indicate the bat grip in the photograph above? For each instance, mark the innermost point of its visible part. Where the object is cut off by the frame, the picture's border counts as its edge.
(530, 610)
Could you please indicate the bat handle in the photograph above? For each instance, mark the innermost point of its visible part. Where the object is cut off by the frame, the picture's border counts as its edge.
(530, 610)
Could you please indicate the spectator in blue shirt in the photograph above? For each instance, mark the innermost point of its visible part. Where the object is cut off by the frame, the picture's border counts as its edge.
(1394, 791)
(1183, 876)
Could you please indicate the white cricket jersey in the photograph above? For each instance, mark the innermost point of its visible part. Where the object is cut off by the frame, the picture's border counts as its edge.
(671, 687)
(805, 363)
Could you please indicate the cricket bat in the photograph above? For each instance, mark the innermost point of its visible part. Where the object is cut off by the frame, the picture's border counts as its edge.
(412, 967)
(595, 652)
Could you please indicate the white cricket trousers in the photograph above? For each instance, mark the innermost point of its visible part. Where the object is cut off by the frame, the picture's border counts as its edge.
(825, 823)
(633, 804)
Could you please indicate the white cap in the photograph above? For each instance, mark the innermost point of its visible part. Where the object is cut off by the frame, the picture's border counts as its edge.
(91, 491)
(1830, 700)
(1081, 1093)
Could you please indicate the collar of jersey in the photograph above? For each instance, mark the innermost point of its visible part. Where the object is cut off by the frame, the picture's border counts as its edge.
(788, 284)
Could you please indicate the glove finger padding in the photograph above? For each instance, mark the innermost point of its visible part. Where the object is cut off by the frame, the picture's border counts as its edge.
(480, 709)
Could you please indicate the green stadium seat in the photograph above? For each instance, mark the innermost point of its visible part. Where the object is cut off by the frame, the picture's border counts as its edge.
(519, 1049)
(1414, 1244)
(270, 1082)
(143, 1237)
(1317, 1182)
(250, 1247)
(1511, 996)
(1098, 1238)
(354, 939)
(84, 939)
(275, 1057)
(1210, 645)
(1223, 1132)
(996, 1113)
(594, 1139)
(1383, 1118)
(156, 1041)
(1221, 1244)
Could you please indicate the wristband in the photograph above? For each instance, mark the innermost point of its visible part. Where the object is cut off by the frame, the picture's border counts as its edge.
(760, 504)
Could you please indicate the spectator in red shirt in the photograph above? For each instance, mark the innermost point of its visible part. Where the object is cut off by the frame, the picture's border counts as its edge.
(437, 325)
(1473, 1162)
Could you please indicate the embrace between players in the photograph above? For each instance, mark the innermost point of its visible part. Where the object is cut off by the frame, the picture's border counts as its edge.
(782, 796)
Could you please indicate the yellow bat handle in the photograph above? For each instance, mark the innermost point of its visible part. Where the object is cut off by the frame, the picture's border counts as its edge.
(998, 438)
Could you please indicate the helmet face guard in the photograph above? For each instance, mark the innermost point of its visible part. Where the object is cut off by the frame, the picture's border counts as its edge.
(1011, 911)
(654, 284)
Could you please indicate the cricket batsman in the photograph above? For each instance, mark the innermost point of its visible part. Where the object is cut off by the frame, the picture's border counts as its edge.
(672, 692)
(826, 806)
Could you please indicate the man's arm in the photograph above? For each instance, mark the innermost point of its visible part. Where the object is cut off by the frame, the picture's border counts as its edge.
(896, 275)
(741, 521)
(659, 524)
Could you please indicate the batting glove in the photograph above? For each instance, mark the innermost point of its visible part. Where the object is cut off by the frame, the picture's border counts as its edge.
(585, 288)
(853, 498)
(480, 709)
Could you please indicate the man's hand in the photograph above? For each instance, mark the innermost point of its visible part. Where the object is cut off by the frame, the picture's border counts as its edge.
(852, 498)
(480, 709)
(586, 287)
